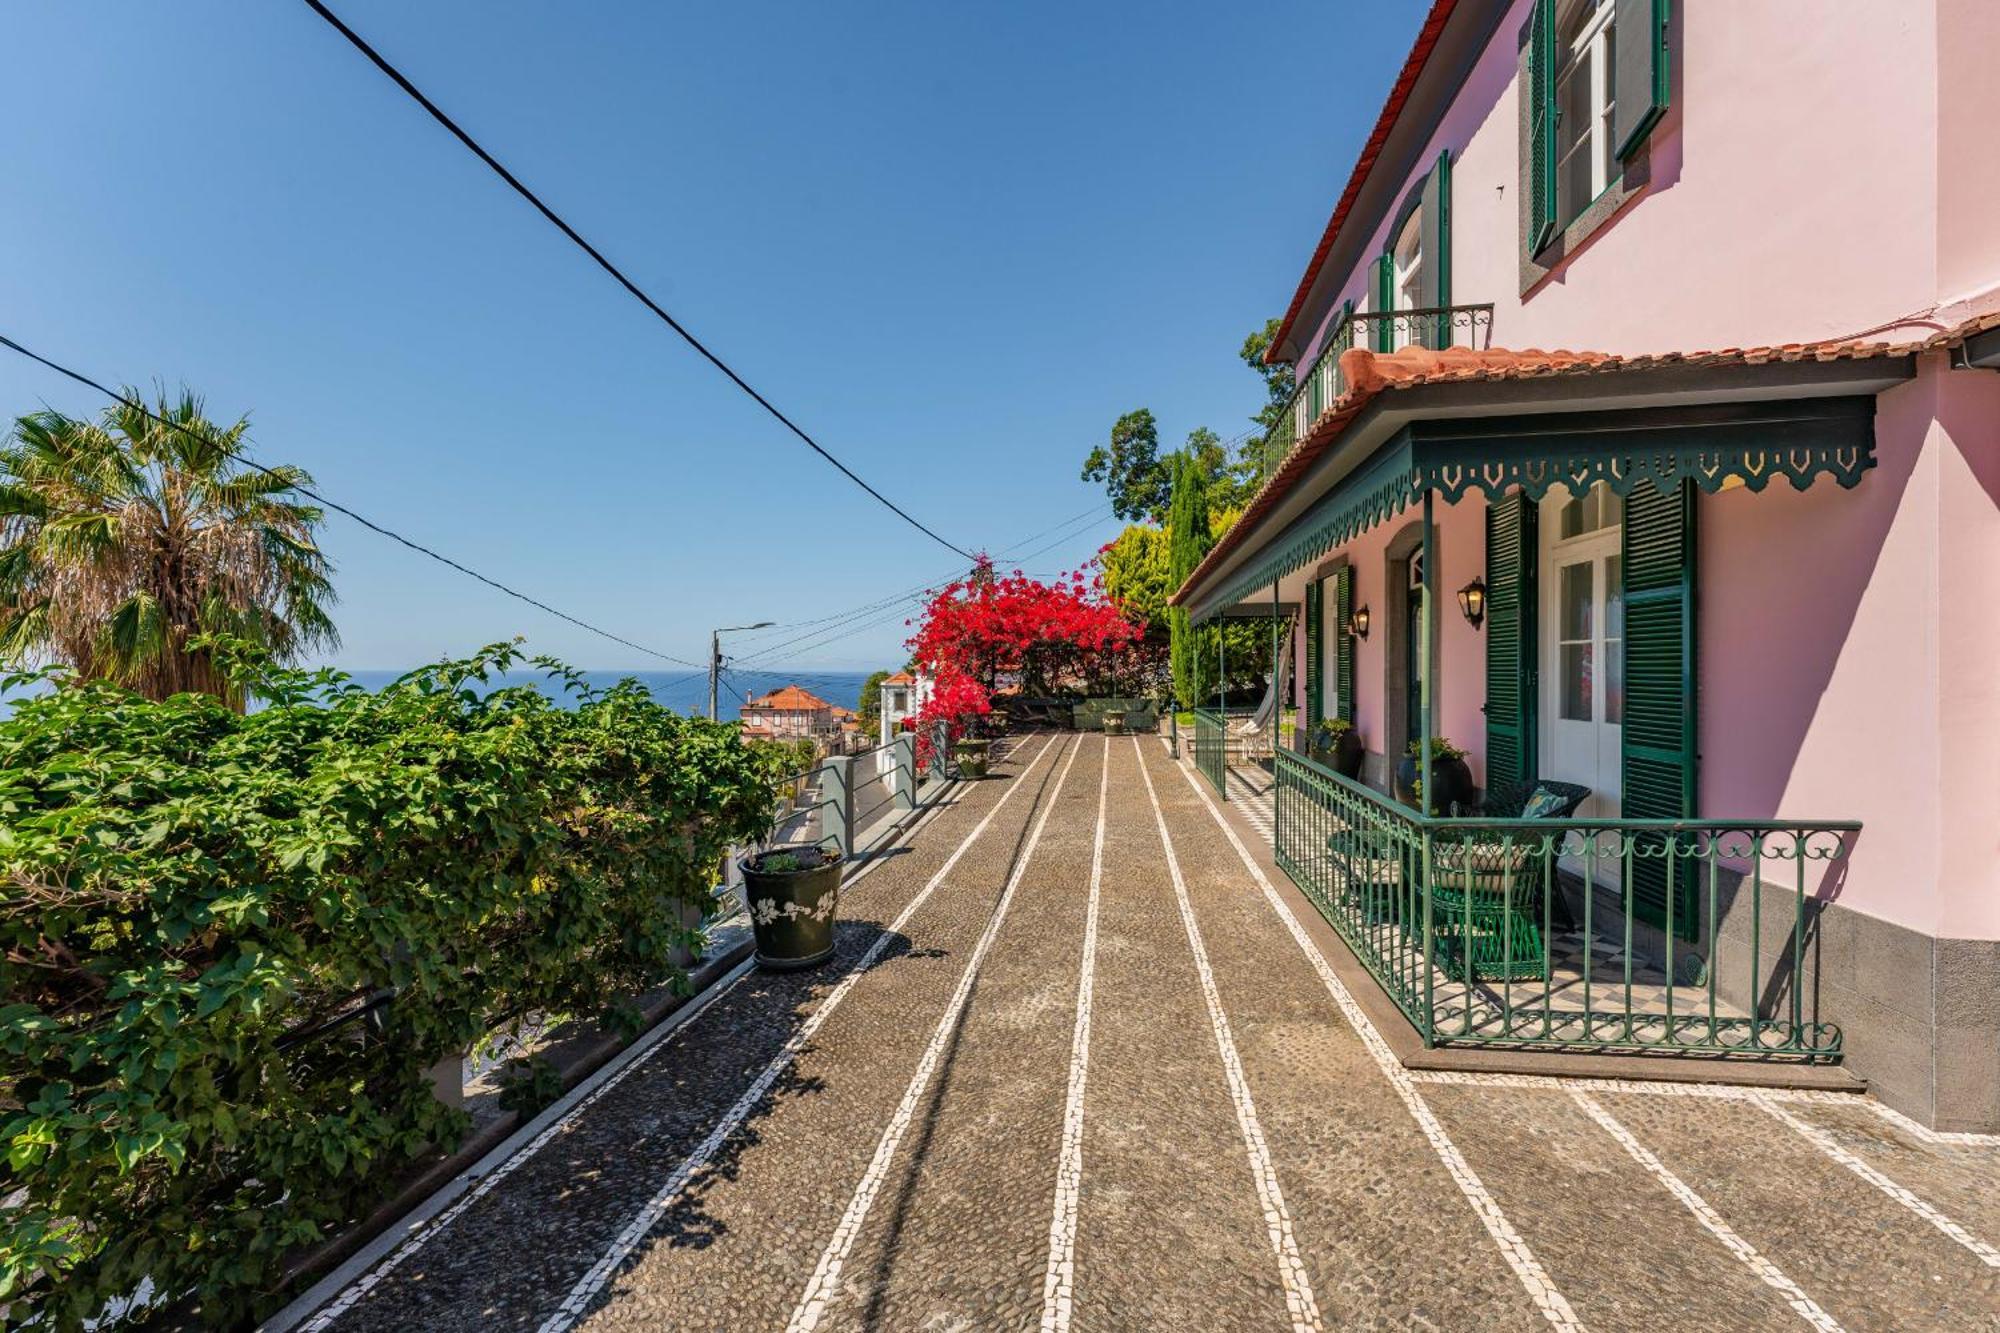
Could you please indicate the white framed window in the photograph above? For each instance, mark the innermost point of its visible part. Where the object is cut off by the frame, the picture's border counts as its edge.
(1586, 53)
(1406, 273)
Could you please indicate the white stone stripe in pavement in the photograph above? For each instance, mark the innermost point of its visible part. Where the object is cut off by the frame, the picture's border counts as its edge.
(1059, 1280)
(1714, 1091)
(1292, 1273)
(1768, 1272)
(489, 1171)
(824, 1284)
(1534, 1279)
(1824, 1141)
(648, 1217)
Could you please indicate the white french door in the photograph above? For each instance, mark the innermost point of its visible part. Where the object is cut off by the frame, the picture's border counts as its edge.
(1583, 650)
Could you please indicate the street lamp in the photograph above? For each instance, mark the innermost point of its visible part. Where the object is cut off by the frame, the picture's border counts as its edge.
(715, 657)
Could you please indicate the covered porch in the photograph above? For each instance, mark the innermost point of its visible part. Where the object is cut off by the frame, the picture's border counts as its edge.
(1494, 559)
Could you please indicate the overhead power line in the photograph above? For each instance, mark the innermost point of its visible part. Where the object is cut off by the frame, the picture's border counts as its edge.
(898, 600)
(339, 508)
(402, 81)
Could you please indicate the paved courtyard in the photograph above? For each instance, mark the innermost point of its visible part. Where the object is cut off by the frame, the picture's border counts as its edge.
(1082, 1062)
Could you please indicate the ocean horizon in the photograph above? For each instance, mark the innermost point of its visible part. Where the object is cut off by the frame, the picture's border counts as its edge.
(682, 691)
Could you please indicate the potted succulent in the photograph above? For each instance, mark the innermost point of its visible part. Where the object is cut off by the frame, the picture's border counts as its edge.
(1338, 745)
(1114, 722)
(1450, 777)
(970, 752)
(792, 894)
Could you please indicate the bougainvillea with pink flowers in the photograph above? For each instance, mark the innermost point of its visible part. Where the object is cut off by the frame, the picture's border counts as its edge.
(1056, 636)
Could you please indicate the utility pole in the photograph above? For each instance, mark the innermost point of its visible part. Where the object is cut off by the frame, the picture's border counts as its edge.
(715, 658)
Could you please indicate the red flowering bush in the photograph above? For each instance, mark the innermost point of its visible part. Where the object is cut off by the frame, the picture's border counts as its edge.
(1062, 633)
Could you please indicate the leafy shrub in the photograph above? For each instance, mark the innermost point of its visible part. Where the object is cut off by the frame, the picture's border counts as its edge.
(528, 1083)
(194, 901)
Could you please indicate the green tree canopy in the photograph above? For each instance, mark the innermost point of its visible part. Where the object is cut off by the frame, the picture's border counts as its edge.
(1131, 469)
(868, 708)
(1138, 575)
(1277, 378)
(123, 541)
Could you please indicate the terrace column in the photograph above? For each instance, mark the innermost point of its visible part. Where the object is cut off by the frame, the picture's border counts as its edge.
(1426, 636)
(1277, 658)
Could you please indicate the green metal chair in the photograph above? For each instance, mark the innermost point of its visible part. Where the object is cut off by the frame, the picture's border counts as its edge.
(1487, 892)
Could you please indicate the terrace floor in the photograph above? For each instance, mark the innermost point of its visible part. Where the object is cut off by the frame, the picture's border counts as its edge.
(1082, 1062)
(1588, 975)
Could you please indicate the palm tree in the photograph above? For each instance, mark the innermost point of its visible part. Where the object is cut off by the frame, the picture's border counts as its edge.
(123, 540)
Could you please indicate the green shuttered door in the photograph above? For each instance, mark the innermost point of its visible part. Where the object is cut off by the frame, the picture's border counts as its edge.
(1659, 777)
(1511, 555)
(1314, 592)
(1343, 650)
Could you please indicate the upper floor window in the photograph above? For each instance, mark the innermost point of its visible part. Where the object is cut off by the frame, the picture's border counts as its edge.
(1586, 92)
(1409, 264)
(1595, 78)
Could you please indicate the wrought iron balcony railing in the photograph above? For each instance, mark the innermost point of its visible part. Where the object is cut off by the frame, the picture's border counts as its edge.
(1387, 330)
(1695, 935)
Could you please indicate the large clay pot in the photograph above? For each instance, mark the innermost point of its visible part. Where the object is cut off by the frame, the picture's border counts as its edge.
(1450, 783)
(1348, 753)
(792, 894)
(1114, 723)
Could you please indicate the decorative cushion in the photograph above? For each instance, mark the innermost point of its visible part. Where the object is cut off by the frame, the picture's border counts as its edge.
(1542, 804)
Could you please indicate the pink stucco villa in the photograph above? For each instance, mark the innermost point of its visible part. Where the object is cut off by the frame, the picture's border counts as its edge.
(1646, 446)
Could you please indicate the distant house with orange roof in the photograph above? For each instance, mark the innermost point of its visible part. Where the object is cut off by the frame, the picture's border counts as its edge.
(788, 713)
(903, 696)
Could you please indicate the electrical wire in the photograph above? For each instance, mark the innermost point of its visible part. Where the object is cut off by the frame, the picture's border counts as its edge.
(820, 636)
(339, 508)
(402, 81)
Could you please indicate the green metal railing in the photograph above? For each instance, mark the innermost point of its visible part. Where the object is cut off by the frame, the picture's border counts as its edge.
(1322, 384)
(1211, 748)
(1646, 935)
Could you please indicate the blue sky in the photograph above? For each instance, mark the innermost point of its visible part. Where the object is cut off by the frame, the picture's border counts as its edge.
(954, 241)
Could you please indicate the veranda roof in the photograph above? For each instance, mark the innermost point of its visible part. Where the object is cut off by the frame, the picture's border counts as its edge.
(1493, 419)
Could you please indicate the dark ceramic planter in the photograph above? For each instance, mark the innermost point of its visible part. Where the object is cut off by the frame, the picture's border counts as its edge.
(792, 906)
(1114, 724)
(1343, 755)
(971, 756)
(1451, 783)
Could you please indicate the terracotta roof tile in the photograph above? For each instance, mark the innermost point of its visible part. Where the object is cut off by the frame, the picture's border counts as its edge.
(1392, 110)
(1369, 375)
(790, 699)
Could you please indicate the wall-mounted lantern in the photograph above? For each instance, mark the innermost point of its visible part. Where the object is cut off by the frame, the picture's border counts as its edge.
(1357, 622)
(1472, 601)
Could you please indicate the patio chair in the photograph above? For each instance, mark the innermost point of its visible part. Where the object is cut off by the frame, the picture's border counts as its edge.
(1488, 893)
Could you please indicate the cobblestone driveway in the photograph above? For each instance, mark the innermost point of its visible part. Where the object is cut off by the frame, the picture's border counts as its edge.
(1079, 1063)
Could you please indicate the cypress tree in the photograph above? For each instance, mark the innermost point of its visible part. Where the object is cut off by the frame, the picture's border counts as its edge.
(1188, 540)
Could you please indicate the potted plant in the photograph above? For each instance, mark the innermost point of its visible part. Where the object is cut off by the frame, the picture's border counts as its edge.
(970, 752)
(1114, 722)
(1338, 745)
(792, 894)
(1450, 777)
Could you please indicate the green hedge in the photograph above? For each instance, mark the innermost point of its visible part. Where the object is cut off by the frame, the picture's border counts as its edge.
(192, 902)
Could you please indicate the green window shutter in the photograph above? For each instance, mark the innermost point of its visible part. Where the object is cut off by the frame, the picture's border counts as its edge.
(1540, 147)
(1434, 278)
(1659, 761)
(1314, 591)
(1511, 719)
(1385, 301)
(1343, 650)
(1641, 74)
